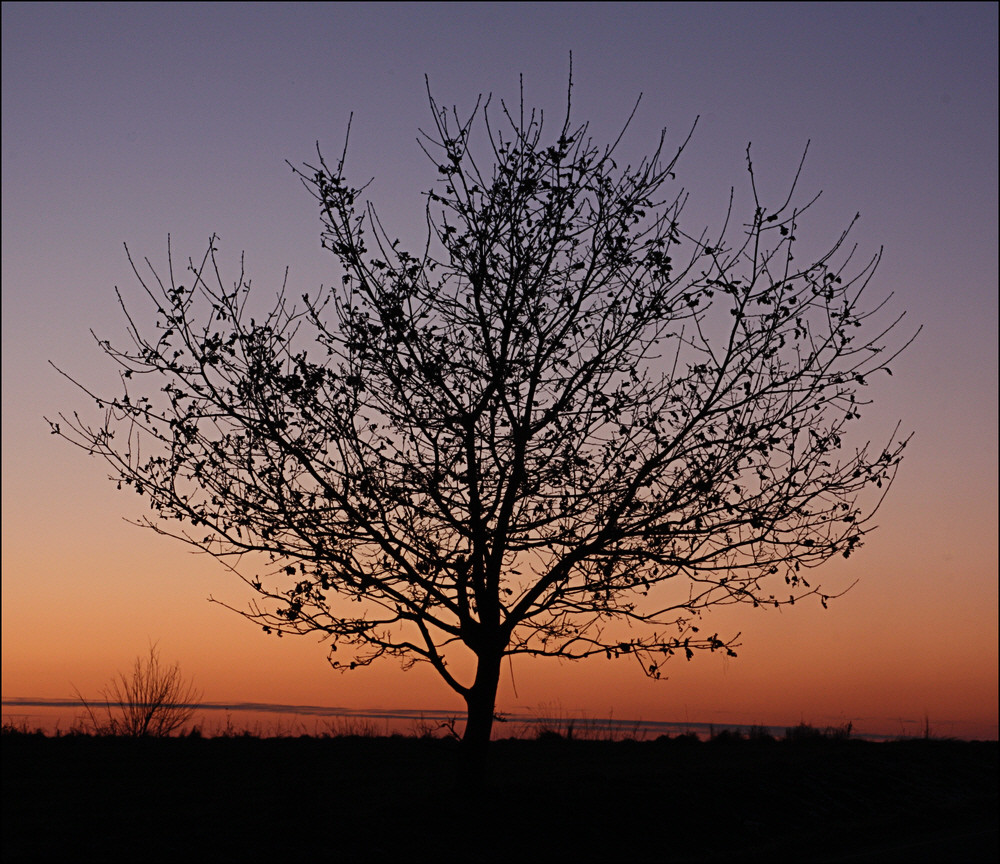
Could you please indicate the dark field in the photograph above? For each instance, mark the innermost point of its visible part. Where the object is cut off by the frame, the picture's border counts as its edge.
(75, 798)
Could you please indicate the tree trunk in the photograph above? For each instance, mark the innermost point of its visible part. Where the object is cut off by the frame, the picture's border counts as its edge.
(481, 702)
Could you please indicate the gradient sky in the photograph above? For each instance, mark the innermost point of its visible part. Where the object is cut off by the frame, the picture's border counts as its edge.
(124, 123)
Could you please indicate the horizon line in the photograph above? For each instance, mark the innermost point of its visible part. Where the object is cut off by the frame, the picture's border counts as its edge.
(561, 718)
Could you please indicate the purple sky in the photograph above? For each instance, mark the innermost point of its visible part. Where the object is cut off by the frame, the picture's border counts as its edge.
(123, 123)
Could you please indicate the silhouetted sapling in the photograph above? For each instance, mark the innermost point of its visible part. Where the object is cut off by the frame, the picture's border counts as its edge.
(153, 701)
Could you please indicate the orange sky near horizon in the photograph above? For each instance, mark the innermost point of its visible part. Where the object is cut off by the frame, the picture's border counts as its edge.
(104, 143)
(851, 662)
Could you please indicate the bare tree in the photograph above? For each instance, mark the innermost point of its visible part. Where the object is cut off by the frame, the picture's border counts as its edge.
(154, 701)
(564, 427)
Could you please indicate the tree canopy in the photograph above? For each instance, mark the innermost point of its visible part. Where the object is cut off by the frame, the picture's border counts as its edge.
(565, 426)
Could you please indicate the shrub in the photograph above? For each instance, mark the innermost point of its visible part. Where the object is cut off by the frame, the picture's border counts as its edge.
(154, 701)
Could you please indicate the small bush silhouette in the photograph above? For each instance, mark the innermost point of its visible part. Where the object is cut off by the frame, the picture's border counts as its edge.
(761, 734)
(805, 732)
(727, 736)
(154, 701)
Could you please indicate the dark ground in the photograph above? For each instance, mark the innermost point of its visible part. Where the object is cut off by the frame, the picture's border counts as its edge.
(401, 799)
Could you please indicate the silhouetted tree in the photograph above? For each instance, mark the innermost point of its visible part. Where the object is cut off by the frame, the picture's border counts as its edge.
(154, 701)
(563, 427)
